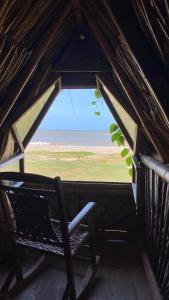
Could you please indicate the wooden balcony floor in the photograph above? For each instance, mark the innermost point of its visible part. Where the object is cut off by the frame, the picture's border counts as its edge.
(120, 276)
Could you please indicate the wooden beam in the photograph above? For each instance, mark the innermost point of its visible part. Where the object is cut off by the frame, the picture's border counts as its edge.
(78, 80)
(117, 117)
(32, 64)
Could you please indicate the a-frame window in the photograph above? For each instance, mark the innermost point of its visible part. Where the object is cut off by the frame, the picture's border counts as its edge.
(79, 147)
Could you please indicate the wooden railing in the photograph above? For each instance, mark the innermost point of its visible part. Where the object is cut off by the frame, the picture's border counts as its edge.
(156, 219)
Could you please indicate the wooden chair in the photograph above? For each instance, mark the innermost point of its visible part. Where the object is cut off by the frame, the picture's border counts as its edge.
(37, 229)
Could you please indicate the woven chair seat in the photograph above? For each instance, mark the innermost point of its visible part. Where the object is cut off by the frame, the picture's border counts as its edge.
(76, 240)
(42, 225)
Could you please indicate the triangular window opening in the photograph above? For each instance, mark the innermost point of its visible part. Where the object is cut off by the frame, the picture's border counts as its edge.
(73, 139)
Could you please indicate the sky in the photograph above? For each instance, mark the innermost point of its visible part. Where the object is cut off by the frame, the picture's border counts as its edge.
(73, 110)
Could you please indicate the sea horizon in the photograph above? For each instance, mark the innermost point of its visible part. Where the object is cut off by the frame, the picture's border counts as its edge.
(71, 137)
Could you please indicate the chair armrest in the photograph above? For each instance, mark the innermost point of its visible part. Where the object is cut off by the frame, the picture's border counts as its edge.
(81, 216)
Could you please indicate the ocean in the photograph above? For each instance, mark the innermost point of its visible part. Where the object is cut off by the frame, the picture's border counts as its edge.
(72, 138)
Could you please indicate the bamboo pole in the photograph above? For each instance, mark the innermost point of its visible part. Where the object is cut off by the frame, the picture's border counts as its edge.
(37, 54)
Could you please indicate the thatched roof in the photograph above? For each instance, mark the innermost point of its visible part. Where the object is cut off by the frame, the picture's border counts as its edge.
(119, 45)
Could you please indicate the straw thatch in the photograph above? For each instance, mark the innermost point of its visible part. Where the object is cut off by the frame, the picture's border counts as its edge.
(42, 41)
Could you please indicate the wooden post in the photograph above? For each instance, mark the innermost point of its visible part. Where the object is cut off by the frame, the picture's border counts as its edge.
(22, 165)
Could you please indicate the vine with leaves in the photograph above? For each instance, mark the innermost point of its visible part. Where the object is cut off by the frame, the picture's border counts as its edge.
(116, 134)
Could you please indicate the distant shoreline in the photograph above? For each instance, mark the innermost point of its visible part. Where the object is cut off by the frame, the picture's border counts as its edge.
(101, 150)
(72, 138)
(97, 141)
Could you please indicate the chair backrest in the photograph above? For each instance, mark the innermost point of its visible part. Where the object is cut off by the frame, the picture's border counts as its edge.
(32, 205)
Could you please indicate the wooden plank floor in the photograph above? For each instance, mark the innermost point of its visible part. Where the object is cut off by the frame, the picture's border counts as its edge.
(120, 276)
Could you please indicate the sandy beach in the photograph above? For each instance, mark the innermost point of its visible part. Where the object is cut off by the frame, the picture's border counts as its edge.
(101, 150)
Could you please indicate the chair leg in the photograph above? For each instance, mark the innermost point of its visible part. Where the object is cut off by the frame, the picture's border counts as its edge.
(92, 242)
(11, 287)
(92, 252)
(8, 280)
(70, 288)
(66, 292)
(16, 272)
(19, 273)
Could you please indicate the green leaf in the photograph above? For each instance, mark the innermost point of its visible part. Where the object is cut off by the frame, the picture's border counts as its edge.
(113, 127)
(121, 140)
(124, 152)
(129, 160)
(97, 94)
(97, 113)
(116, 136)
(93, 102)
(130, 172)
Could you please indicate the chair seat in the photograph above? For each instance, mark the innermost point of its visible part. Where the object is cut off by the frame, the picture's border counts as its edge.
(76, 239)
